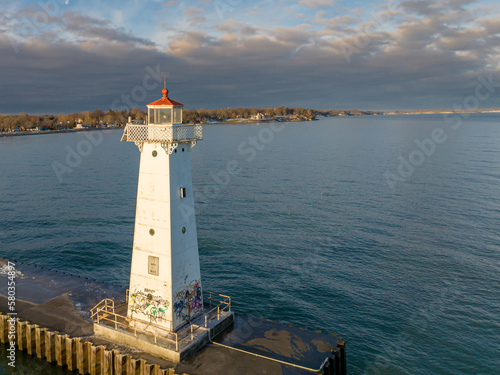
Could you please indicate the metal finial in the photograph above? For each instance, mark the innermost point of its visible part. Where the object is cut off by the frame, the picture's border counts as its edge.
(165, 91)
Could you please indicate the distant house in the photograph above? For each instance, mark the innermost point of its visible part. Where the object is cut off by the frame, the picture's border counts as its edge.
(259, 116)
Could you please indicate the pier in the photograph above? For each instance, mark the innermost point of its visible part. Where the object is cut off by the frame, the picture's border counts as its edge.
(53, 321)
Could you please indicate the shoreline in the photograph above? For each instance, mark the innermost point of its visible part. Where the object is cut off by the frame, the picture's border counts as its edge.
(254, 121)
(19, 134)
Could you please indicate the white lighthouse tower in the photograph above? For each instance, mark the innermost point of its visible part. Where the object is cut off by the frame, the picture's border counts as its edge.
(165, 283)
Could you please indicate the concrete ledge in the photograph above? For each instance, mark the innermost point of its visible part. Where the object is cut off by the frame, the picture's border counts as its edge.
(125, 338)
(187, 346)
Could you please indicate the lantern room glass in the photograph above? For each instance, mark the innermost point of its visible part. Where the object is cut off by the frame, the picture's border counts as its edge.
(151, 116)
(177, 115)
(164, 116)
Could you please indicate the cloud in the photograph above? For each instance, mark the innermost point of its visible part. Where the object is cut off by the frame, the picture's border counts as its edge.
(192, 12)
(405, 57)
(68, 76)
(196, 21)
(232, 26)
(84, 26)
(433, 8)
(317, 3)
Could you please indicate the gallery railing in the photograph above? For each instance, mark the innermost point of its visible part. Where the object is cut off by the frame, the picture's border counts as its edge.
(162, 133)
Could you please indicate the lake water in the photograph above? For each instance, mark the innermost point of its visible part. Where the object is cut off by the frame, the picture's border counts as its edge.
(325, 224)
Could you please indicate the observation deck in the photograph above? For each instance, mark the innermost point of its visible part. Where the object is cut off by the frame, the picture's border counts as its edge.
(140, 133)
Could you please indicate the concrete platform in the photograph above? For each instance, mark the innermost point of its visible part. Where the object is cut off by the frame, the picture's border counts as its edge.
(191, 340)
(61, 302)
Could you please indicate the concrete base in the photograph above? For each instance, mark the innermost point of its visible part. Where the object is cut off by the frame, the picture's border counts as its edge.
(187, 346)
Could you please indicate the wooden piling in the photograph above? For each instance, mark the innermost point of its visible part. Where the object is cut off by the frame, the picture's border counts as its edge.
(343, 361)
(50, 346)
(61, 350)
(119, 363)
(107, 366)
(4, 328)
(31, 338)
(331, 365)
(40, 342)
(71, 353)
(21, 334)
(152, 370)
(337, 355)
(82, 359)
(134, 367)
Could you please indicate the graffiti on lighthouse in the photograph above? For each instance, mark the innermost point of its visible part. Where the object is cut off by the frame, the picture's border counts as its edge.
(188, 300)
(145, 302)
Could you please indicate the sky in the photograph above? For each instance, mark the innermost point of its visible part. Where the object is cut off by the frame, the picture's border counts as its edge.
(74, 55)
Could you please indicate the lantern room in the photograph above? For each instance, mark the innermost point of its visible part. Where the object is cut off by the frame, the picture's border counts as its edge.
(165, 111)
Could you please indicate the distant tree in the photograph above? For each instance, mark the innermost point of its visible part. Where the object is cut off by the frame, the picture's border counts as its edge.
(96, 116)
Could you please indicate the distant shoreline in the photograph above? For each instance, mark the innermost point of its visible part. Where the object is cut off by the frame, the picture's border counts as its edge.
(19, 134)
(351, 112)
(326, 113)
(441, 112)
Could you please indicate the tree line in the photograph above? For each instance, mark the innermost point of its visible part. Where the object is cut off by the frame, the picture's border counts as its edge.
(23, 121)
(208, 115)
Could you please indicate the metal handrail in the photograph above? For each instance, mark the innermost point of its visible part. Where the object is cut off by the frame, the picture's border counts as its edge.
(225, 301)
(134, 327)
(102, 313)
(105, 301)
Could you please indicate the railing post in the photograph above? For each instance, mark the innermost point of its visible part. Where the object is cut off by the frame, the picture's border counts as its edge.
(115, 323)
(218, 313)
(176, 343)
(205, 320)
(98, 315)
(191, 332)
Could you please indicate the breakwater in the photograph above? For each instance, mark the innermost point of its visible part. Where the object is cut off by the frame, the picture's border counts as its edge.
(74, 353)
(51, 320)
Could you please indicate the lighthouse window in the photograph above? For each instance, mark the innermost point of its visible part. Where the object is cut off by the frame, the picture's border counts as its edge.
(183, 192)
(151, 116)
(164, 116)
(177, 115)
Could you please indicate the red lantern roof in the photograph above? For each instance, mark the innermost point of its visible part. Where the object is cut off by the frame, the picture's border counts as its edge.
(165, 100)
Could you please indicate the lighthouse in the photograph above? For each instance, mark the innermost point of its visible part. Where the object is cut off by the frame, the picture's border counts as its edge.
(166, 312)
(165, 282)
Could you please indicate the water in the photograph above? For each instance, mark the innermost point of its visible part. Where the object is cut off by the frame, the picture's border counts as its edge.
(306, 231)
